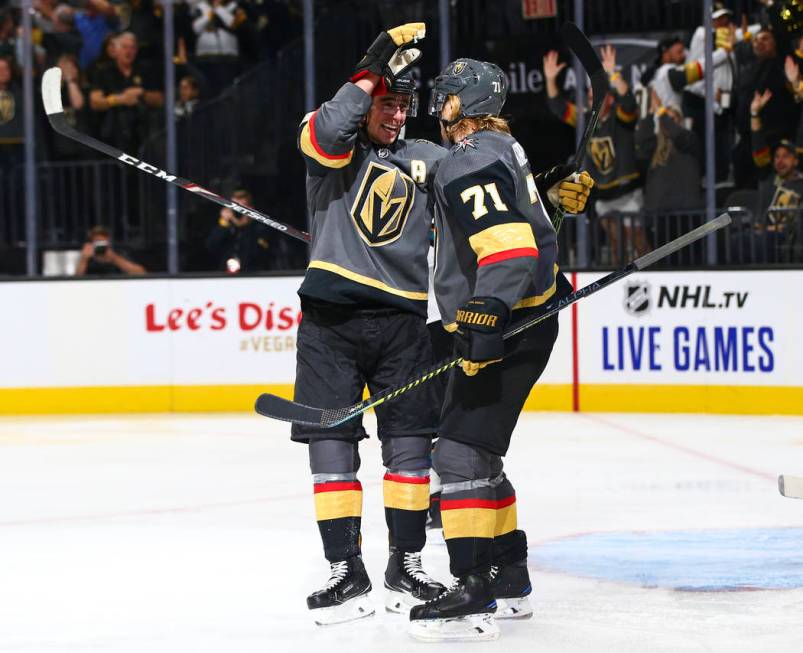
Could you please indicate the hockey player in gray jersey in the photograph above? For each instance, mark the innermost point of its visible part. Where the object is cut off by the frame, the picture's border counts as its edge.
(495, 263)
(364, 300)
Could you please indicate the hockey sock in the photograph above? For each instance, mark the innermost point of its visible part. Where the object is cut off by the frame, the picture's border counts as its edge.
(509, 544)
(406, 496)
(338, 509)
(469, 521)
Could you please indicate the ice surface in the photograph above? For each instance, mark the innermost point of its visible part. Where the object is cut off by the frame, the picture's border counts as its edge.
(196, 533)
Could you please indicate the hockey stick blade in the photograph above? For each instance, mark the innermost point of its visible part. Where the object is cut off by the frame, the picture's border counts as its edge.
(582, 49)
(51, 97)
(289, 411)
(791, 486)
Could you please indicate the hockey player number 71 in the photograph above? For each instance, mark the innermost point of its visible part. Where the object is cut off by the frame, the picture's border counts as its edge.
(478, 195)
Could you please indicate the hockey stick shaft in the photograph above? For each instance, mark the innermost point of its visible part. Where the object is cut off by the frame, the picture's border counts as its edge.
(639, 264)
(278, 408)
(51, 96)
(582, 49)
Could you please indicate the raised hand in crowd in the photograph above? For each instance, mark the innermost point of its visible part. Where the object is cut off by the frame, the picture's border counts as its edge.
(608, 53)
(759, 101)
(69, 69)
(725, 38)
(552, 68)
(792, 71)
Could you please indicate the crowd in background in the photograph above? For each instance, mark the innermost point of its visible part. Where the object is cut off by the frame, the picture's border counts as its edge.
(111, 56)
(647, 155)
(649, 160)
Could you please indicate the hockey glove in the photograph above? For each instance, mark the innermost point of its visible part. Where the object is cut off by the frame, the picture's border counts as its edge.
(390, 55)
(572, 192)
(480, 324)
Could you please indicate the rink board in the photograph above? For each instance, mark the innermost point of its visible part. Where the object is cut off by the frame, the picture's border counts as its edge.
(701, 341)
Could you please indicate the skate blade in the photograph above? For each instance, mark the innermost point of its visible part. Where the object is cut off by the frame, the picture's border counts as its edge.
(353, 609)
(518, 608)
(473, 628)
(400, 602)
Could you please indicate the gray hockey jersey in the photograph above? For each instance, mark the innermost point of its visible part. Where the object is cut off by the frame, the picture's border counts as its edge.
(493, 235)
(611, 154)
(370, 211)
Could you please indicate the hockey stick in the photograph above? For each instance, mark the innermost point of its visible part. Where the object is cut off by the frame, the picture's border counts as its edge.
(791, 486)
(51, 96)
(582, 49)
(278, 408)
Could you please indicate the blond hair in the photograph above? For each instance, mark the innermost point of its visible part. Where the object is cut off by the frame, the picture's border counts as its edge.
(465, 126)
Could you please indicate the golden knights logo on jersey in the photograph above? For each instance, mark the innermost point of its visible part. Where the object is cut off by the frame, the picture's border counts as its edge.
(383, 203)
(602, 153)
(8, 107)
(784, 198)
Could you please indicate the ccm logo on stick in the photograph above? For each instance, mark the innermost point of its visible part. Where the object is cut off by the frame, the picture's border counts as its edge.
(147, 167)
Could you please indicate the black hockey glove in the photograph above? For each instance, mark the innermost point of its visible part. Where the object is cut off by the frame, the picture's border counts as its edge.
(390, 55)
(480, 324)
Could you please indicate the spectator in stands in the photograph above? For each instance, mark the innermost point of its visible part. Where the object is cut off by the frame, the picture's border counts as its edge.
(217, 49)
(105, 59)
(97, 19)
(611, 157)
(74, 101)
(237, 243)
(694, 95)
(673, 74)
(125, 92)
(760, 68)
(792, 72)
(672, 155)
(188, 96)
(61, 37)
(9, 44)
(145, 22)
(777, 229)
(98, 257)
(11, 126)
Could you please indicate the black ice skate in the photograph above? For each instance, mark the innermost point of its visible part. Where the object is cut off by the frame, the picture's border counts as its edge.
(407, 582)
(464, 612)
(511, 585)
(345, 596)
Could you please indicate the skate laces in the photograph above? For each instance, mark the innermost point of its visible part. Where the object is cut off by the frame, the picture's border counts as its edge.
(412, 565)
(337, 573)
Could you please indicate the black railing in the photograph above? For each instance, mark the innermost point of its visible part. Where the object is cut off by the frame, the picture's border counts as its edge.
(72, 196)
(769, 239)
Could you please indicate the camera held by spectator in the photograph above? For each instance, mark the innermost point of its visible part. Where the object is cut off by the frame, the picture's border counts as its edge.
(98, 256)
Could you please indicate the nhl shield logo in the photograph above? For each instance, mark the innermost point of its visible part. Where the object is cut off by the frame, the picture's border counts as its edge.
(382, 205)
(637, 298)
